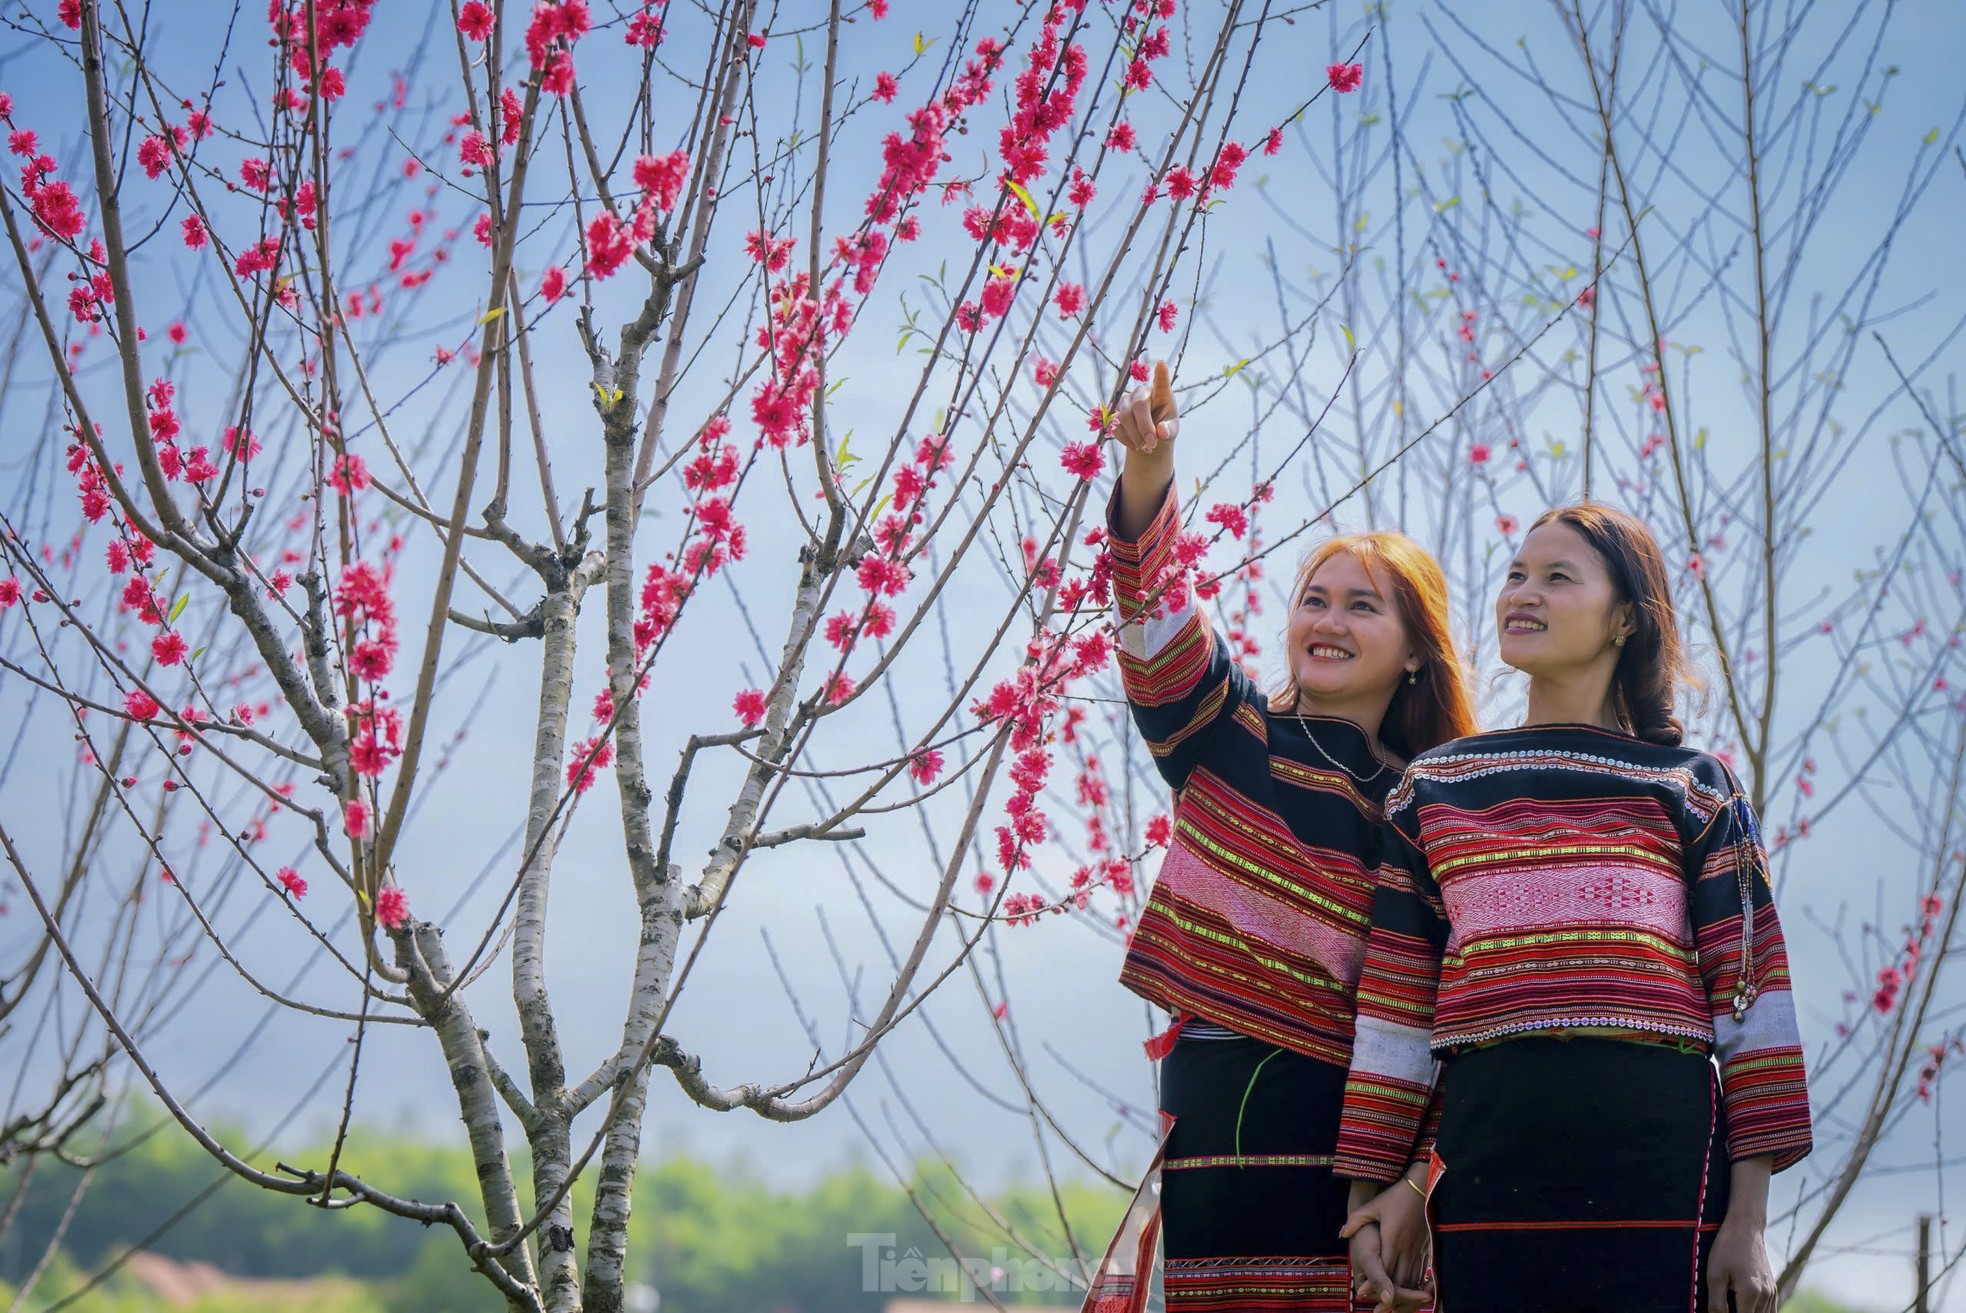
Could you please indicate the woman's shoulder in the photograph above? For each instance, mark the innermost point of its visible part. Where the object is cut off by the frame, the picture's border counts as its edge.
(1473, 768)
(1559, 746)
(1510, 741)
(1711, 783)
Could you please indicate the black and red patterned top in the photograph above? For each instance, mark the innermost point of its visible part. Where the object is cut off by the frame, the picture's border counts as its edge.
(1258, 918)
(1558, 877)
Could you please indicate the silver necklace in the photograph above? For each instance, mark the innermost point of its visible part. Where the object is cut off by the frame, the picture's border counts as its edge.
(1381, 769)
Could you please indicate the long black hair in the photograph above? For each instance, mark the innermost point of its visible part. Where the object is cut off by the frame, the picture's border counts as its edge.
(1653, 660)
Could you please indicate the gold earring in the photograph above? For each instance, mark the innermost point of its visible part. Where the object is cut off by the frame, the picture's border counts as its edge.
(1619, 641)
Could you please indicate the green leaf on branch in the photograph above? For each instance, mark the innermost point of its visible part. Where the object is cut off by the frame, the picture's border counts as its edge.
(491, 314)
(1017, 189)
(178, 609)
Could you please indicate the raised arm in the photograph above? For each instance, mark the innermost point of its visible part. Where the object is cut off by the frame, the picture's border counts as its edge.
(1180, 679)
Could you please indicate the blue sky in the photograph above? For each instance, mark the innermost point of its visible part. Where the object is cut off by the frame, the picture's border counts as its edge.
(1078, 1031)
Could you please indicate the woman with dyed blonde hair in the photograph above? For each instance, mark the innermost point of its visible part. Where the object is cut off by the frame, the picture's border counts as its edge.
(1255, 928)
(1431, 704)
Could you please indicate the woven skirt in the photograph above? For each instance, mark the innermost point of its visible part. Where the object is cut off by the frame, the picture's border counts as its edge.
(1586, 1174)
(1250, 1211)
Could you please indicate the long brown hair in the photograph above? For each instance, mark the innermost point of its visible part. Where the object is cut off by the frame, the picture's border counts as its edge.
(1435, 706)
(1653, 660)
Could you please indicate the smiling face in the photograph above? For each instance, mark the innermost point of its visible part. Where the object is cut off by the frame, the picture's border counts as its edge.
(1348, 644)
(1558, 612)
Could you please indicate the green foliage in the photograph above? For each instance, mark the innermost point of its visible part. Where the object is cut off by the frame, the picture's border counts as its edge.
(712, 1238)
(245, 1230)
(1808, 1301)
(441, 1280)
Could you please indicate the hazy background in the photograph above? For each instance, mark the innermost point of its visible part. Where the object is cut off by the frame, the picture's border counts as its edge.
(811, 928)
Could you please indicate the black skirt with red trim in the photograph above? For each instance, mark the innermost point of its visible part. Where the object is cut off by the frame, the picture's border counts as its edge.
(1250, 1211)
(1587, 1174)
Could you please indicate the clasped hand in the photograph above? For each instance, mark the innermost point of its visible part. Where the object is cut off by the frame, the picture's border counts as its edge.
(1388, 1235)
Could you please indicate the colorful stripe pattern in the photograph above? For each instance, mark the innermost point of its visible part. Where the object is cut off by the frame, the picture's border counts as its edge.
(1201, 1162)
(1233, 1285)
(1561, 877)
(1259, 916)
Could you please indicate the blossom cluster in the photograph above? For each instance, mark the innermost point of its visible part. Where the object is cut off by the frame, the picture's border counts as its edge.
(1897, 976)
(713, 539)
(610, 241)
(1178, 583)
(52, 202)
(1025, 706)
(368, 615)
(555, 27)
(881, 574)
(336, 26)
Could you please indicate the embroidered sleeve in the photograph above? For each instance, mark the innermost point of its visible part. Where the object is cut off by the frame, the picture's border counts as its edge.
(1744, 966)
(1387, 1095)
(1429, 1126)
(1179, 678)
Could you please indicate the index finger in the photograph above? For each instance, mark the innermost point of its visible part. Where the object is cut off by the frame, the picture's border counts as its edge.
(1162, 397)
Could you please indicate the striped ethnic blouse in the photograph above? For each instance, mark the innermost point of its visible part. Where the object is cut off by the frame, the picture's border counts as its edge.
(1258, 918)
(1559, 876)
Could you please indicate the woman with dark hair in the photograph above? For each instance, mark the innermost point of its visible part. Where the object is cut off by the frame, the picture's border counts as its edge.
(1574, 919)
(1254, 930)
